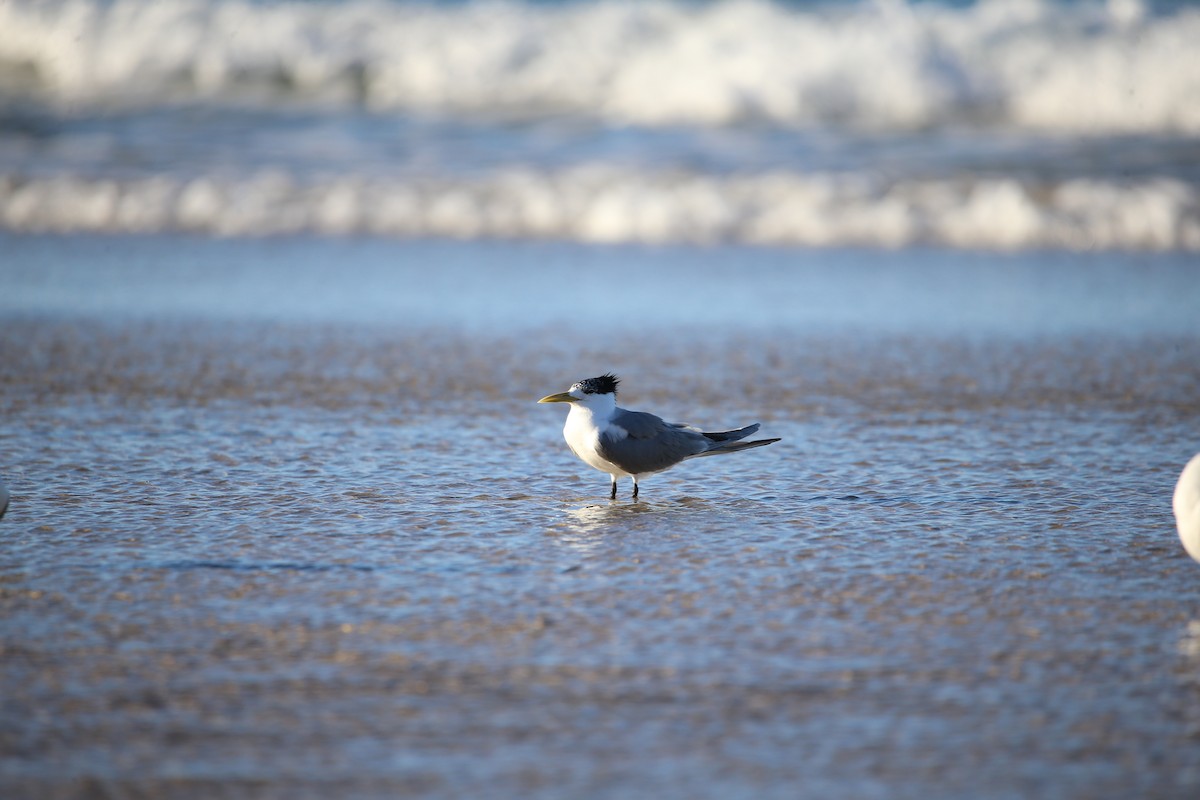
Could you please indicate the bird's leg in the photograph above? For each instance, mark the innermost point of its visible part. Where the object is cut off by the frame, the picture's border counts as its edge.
(635, 486)
(613, 496)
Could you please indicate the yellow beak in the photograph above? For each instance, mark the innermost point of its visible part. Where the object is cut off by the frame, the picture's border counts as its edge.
(561, 397)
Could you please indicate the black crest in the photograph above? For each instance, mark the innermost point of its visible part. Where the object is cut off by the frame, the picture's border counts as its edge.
(605, 384)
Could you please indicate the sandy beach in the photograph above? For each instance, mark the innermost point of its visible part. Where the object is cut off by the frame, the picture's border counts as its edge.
(266, 553)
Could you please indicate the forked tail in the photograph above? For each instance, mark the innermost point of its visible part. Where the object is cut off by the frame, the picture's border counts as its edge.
(728, 441)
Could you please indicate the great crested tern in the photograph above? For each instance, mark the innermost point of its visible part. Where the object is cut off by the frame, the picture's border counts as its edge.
(1186, 504)
(633, 443)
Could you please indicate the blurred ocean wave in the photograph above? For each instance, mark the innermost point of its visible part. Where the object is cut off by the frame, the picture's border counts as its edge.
(997, 124)
(1032, 64)
(607, 205)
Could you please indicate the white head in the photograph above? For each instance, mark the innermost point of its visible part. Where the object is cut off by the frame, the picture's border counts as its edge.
(1186, 504)
(598, 395)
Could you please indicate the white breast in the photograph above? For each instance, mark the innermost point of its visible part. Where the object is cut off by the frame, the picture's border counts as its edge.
(582, 433)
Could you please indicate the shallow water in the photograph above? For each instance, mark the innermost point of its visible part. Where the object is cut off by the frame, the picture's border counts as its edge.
(271, 540)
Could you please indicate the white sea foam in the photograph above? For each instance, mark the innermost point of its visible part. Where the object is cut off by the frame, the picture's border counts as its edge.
(606, 204)
(1029, 64)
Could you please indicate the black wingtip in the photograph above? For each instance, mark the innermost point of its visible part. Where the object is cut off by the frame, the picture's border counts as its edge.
(732, 436)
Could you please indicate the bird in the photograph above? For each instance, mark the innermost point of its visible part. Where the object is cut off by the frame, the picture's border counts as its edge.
(634, 443)
(1186, 504)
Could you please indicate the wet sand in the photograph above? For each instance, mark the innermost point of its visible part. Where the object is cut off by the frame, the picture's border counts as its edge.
(311, 558)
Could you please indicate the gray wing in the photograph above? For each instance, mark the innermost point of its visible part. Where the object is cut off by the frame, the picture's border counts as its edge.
(650, 443)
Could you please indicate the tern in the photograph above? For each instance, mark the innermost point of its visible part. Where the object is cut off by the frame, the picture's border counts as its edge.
(1186, 504)
(633, 443)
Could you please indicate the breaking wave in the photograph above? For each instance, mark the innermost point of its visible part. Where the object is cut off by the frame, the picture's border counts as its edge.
(606, 204)
(1025, 64)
